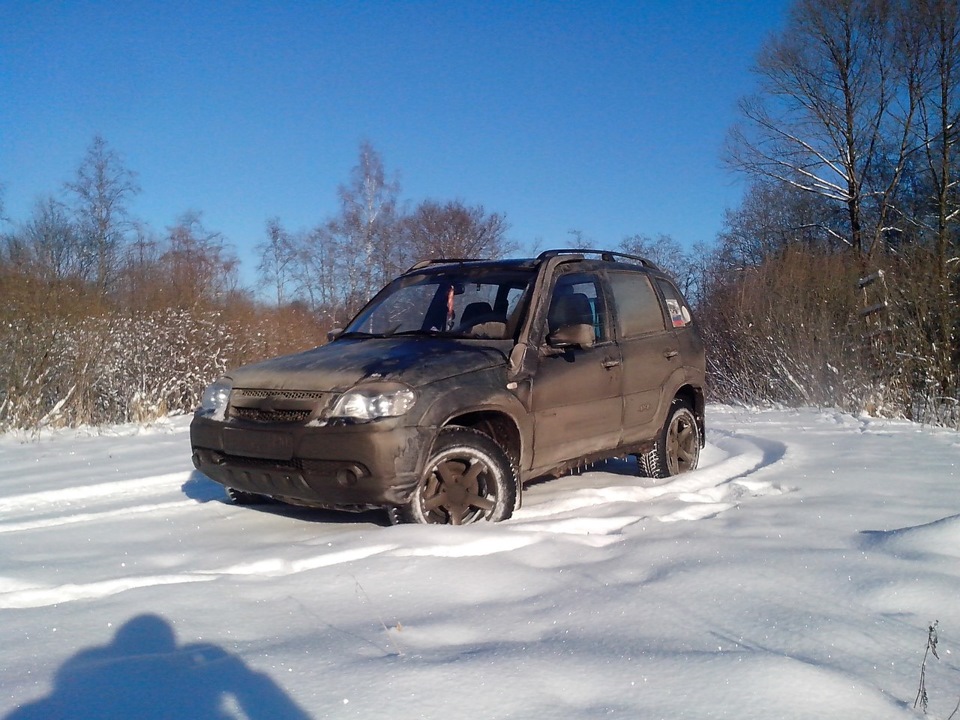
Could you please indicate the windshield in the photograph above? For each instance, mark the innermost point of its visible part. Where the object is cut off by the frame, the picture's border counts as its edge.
(468, 303)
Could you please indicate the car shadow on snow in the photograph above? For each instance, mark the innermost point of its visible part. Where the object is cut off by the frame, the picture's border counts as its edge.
(202, 489)
(143, 673)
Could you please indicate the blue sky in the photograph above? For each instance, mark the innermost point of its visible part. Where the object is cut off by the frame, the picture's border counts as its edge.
(606, 117)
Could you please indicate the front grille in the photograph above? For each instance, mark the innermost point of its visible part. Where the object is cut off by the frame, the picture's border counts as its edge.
(269, 406)
(312, 395)
(259, 415)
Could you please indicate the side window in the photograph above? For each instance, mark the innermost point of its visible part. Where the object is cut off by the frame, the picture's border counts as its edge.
(676, 306)
(638, 307)
(577, 300)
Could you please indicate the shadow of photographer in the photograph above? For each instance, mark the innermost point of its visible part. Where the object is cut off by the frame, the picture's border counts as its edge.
(144, 674)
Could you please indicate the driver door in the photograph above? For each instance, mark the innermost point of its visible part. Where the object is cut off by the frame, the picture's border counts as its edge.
(576, 392)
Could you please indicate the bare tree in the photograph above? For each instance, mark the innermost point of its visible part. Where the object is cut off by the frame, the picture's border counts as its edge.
(198, 263)
(314, 270)
(365, 231)
(835, 112)
(102, 191)
(936, 24)
(52, 242)
(772, 217)
(579, 240)
(455, 230)
(688, 267)
(934, 29)
(662, 250)
(339, 264)
(277, 256)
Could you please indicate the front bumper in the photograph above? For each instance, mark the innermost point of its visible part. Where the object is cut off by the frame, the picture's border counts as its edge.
(351, 467)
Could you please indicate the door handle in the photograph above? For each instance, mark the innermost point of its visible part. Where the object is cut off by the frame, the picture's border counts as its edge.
(609, 364)
(670, 354)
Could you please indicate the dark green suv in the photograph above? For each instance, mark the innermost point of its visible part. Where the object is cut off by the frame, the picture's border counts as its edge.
(461, 381)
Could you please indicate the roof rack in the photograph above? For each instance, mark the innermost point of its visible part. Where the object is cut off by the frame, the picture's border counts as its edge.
(442, 261)
(605, 255)
(574, 253)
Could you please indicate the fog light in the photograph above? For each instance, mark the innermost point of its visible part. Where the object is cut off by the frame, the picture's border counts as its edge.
(346, 477)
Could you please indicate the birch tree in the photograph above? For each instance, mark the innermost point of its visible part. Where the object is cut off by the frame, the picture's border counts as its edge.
(935, 25)
(365, 230)
(314, 272)
(102, 191)
(834, 113)
(277, 256)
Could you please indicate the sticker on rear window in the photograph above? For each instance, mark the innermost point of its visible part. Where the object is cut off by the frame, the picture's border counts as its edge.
(676, 313)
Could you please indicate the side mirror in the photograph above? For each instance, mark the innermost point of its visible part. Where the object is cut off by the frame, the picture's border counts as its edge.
(334, 334)
(570, 335)
(523, 362)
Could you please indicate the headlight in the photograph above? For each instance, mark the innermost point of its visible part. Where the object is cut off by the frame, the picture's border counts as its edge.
(373, 403)
(215, 398)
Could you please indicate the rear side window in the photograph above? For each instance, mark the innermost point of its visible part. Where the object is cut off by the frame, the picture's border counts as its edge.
(676, 306)
(638, 307)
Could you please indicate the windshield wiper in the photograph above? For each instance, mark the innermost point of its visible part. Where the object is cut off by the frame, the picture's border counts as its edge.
(359, 334)
(428, 333)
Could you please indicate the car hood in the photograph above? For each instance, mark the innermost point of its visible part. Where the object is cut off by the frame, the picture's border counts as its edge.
(340, 365)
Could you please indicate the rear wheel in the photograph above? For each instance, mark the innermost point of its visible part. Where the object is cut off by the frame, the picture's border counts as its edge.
(468, 478)
(677, 449)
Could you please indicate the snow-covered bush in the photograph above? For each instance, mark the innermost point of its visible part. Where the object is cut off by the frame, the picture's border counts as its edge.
(122, 368)
(809, 328)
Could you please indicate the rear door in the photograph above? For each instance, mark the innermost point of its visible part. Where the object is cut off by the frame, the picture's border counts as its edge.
(650, 352)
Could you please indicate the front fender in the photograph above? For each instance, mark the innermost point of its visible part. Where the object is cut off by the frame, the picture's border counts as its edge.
(468, 397)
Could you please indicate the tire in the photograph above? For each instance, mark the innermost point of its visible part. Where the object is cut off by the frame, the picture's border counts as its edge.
(241, 497)
(677, 449)
(468, 478)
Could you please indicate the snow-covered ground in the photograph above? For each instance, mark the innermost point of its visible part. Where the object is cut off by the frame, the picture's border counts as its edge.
(793, 576)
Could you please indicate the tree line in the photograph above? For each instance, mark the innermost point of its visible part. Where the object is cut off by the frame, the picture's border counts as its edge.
(103, 319)
(335, 267)
(835, 282)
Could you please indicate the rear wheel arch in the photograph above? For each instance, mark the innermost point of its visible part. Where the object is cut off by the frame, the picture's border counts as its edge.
(692, 397)
(676, 449)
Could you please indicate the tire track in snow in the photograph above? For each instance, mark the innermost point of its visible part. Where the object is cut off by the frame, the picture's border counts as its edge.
(141, 487)
(90, 503)
(713, 488)
(38, 597)
(15, 594)
(61, 520)
(154, 485)
(732, 461)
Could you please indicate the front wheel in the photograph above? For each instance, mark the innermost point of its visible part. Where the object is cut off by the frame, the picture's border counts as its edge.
(677, 449)
(468, 478)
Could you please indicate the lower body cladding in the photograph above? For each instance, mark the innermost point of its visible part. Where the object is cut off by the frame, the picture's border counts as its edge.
(351, 467)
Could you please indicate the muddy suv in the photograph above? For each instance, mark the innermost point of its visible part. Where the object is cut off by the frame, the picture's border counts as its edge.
(461, 381)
